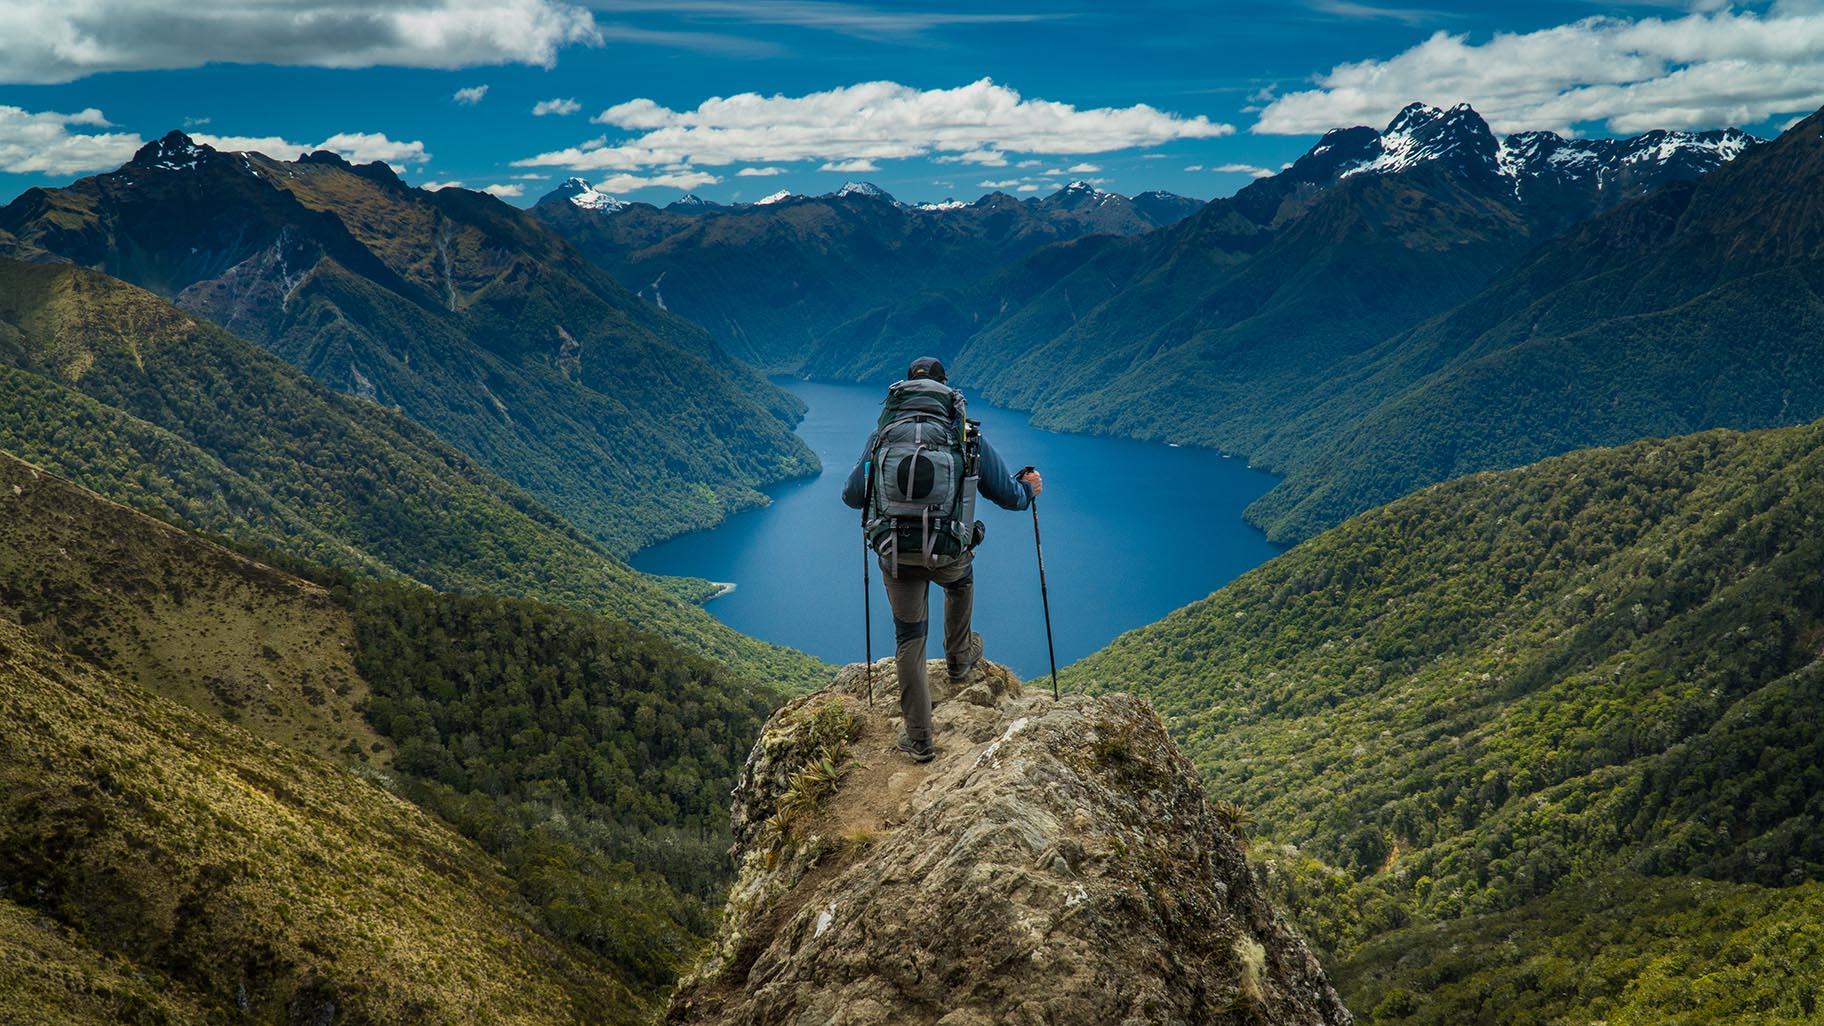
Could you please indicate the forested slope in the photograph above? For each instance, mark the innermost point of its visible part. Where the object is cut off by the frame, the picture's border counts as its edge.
(591, 762)
(1485, 730)
(451, 306)
(1691, 308)
(117, 390)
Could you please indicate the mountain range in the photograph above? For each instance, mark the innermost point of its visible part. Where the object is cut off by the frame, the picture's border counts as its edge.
(457, 309)
(330, 697)
(1292, 323)
(771, 280)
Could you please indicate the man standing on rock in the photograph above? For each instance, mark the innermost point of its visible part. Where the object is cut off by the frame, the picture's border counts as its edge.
(917, 480)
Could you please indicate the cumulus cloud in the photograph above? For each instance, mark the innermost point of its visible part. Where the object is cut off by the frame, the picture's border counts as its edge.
(504, 191)
(870, 121)
(434, 186)
(686, 180)
(759, 172)
(471, 96)
(359, 147)
(1008, 183)
(46, 142)
(850, 166)
(59, 42)
(562, 106)
(1702, 70)
(1084, 169)
(1241, 169)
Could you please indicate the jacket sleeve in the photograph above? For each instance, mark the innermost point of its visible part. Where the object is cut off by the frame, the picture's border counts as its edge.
(998, 483)
(855, 489)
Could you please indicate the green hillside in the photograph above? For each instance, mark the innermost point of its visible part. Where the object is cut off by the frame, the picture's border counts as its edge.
(1692, 308)
(179, 847)
(592, 761)
(463, 312)
(122, 393)
(181, 617)
(1605, 671)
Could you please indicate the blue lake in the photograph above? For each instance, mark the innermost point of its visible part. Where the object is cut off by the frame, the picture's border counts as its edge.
(1132, 531)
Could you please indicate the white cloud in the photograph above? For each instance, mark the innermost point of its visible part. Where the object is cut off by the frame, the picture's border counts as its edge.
(562, 106)
(41, 142)
(358, 147)
(1029, 163)
(983, 158)
(759, 172)
(1241, 169)
(671, 180)
(434, 186)
(1029, 187)
(471, 96)
(850, 166)
(1193, 167)
(532, 177)
(1084, 169)
(1702, 70)
(870, 121)
(505, 191)
(58, 42)
(1004, 184)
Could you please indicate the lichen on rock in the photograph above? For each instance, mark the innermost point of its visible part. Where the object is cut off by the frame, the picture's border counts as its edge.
(1058, 863)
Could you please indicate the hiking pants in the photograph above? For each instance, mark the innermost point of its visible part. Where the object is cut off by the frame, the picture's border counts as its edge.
(908, 594)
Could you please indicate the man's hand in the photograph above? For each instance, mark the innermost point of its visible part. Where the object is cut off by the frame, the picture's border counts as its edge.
(1033, 481)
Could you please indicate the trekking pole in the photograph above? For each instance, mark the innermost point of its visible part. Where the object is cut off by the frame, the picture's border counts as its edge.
(1044, 594)
(867, 591)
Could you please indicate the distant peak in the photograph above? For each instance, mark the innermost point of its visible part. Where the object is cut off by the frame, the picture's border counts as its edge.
(690, 199)
(947, 203)
(868, 189)
(778, 197)
(580, 193)
(175, 151)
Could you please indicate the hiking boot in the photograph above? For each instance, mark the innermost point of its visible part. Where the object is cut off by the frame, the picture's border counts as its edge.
(920, 751)
(964, 663)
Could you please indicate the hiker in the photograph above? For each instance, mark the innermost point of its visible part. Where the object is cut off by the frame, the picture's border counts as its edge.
(918, 477)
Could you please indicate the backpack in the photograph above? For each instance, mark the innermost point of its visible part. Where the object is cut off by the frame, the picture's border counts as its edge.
(922, 477)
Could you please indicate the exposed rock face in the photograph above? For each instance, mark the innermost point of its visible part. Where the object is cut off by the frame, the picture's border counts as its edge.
(1058, 863)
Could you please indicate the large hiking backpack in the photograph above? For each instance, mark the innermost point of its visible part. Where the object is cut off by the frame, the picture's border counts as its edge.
(922, 477)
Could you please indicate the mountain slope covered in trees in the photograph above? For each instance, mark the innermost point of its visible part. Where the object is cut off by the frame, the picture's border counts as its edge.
(1487, 731)
(117, 390)
(1691, 308)
(590, 762)
(1225, 330)
(452, 306)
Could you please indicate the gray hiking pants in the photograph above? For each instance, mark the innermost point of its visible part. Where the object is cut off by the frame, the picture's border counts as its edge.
(909, 596)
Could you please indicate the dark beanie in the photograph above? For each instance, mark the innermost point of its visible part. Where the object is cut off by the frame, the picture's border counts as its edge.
(926, 367)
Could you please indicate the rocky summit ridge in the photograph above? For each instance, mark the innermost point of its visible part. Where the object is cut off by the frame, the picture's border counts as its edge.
(1057, 863)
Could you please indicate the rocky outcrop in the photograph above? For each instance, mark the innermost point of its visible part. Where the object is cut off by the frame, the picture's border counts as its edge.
(1058, 863)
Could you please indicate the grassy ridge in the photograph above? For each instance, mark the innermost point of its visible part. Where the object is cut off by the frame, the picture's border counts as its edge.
(592, 761)
(1461, 703)
(254, 875)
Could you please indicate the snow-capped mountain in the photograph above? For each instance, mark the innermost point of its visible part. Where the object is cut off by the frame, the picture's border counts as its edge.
(778, 197)
(579, 192)
(1526, 161)
(867, 189)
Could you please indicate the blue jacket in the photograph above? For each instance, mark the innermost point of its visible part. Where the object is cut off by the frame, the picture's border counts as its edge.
(998, 484)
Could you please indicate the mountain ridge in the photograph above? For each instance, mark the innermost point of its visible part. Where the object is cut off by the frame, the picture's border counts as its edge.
(462, 311)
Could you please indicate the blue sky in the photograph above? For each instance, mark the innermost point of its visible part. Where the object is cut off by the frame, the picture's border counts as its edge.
(1010, 94)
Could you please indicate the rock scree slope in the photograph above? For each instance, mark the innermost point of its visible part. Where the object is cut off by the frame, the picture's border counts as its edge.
(1057, 863)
